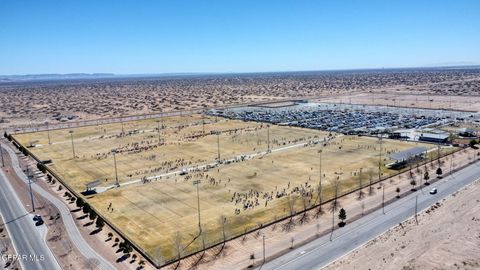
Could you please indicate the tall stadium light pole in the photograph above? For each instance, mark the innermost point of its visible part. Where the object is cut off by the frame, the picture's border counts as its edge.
(383, 199)
(380, 159)
(158, 129)
(203, 123)
(268, 138)
(29, 177)
(1, 154)
(114, 152)
(197, 183)
(263, 248)
(73, 145)
(48, 133)
(334, 209)
(218, 145)
(416, 209)
(320, 179)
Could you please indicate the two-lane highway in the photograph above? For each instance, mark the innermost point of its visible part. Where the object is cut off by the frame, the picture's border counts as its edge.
(29, 243)
(322, 251)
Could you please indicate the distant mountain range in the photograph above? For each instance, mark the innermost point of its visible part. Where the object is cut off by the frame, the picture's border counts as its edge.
(48, 77)
(79, 76)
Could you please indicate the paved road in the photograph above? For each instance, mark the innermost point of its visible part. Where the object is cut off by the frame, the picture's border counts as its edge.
(322, 251)
(67, 218)
(27, 239)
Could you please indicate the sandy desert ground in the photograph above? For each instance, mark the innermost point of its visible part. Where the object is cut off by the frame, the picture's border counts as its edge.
(447, 237)
(36, 102)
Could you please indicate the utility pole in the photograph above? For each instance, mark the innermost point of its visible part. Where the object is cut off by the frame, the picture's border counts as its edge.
(48, 133)
(123, 130)
(203, 123)
(197, 183)
(1, 154)
(73, 146)
(114, 151)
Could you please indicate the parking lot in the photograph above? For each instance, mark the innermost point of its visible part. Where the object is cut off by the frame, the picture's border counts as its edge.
(344, 118)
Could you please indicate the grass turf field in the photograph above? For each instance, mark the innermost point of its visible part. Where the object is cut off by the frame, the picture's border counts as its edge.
(162, 216)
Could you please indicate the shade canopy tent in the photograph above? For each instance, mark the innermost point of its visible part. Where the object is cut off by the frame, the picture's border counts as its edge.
(408, 154)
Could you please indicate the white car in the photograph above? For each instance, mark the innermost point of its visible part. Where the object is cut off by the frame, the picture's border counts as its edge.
(433, 191)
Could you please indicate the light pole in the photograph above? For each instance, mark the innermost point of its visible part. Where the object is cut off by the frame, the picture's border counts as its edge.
(334, 208)
(383, 199)
(320, 180)
(380, 159)
(1, 154)
(416, 201)
(158, 129)
(29, 177)
(114, 152)
(73, 146)
(48, 133)
(218, 146)
(264, 248)
(197, 183)
(268, 138)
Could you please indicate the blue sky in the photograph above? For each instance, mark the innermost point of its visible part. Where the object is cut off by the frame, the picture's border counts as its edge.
(128, 37)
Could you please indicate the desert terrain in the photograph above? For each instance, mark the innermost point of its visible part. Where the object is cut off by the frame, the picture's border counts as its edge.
(32, 103)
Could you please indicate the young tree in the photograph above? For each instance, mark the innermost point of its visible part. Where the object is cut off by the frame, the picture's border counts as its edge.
(342, 215)
(413, 183)
(360, 190)
(426, 177)
(86, 208)
(439, 172)
(223, 223)
(80, 202)
(398, 192)
(472, 143)
(92, 215)
(99, 223)
(178, 245)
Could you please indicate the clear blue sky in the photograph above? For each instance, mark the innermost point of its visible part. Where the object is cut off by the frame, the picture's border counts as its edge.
(234, 35)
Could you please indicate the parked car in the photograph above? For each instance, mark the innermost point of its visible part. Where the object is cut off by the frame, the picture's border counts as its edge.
(38, 220)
